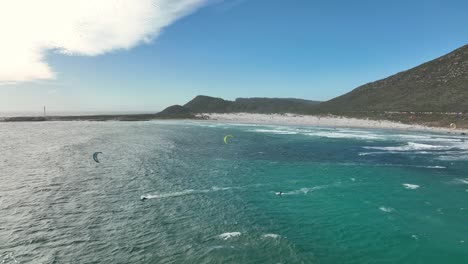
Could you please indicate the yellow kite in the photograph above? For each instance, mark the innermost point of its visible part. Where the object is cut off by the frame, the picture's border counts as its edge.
(226, 137)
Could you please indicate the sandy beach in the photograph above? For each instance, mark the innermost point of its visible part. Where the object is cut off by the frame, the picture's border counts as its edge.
(326, 121)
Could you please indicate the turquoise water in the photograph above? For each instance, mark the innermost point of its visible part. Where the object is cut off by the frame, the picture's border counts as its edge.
(349, 195)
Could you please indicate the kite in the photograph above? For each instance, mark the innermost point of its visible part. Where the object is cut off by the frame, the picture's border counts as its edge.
(226, 138)
(95, 156)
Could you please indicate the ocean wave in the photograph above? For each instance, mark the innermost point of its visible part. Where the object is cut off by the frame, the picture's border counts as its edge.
(275, 131)
(412, 146)
(386, 209)
(435, 167)
(453, 157)
(396, 165)
(426, 138)
(228, 235)
(8, 257)
(372, 153)
(302, 190)
(274, 236)
(335, 133)
(461, 181)
(339, 135)
(185, 192)
(410, 186)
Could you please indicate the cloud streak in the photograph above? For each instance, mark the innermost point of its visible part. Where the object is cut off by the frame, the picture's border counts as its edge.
(77, 27)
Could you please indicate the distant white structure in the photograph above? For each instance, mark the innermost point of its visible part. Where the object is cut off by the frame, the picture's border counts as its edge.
(44, 111)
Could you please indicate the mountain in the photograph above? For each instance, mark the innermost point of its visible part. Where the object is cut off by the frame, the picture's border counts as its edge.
(272, 105)
(207, 104)
(175, 112)
(440, 85)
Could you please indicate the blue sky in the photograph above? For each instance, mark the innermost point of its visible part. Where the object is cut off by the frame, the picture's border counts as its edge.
(251, 48)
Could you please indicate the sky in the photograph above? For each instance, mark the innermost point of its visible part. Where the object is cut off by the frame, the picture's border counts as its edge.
(142, 56)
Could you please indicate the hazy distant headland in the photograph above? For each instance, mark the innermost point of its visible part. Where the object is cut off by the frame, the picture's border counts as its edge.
(432, 94)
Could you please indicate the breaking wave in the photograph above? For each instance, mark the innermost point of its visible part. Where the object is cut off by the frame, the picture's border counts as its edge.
(228, 235)
(412, 146)
(410, 186)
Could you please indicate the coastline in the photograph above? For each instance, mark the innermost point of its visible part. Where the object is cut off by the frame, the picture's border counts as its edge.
(324, 121)
(255, 119)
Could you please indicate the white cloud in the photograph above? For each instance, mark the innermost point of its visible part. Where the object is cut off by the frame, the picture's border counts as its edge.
(29, 28)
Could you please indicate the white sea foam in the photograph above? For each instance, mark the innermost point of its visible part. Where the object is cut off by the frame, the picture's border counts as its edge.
(436, 167)
(461, 181)
(400, 165)
(185, 192)
(303, 190)
(386, 209)
(327, 133)
(275, 236)
(228, 235)
(173, 194)
(330, 134)
(453, 158)
(274, 131)
(411, 146)
(410, 186)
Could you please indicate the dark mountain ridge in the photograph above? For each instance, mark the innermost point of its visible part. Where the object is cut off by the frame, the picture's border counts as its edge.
(207, 104)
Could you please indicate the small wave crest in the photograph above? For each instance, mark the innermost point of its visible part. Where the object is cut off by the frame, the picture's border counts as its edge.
(435, 167)
(411, 146)
(184, 192)
(275, 131)
(386, 209)
(461, 181)
(302, 190)
(410, 186)
(345, 135)
(336, 133)
(228, 235)
(274, 236)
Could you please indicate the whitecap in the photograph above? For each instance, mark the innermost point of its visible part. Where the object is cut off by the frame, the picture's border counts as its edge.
(228, 235)
(184, 192)
(274, 236)
(215, 188)
(435, 167)
(410, 186)
(453, 158)
(411, 146)
(339, 135)
(275, 131)
(461, 181)
(166, 195)
(303, 190)
(386, 209)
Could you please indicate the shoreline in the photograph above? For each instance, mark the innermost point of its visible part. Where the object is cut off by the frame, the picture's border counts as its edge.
(255, 119)
(322, 121)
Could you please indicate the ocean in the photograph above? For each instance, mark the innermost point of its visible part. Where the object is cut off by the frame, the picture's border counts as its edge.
(348, 195)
